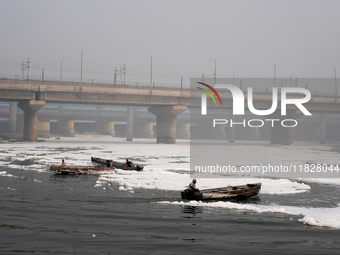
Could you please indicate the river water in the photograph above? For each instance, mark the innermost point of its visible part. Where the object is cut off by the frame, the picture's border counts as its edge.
(142, 212)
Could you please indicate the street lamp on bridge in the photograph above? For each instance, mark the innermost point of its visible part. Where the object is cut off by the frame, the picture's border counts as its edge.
(274, 74)
(151, 73)
(215, 68)
(234, 77)
(335, 83)
(81, 67)
(61, 71)
(290, 79)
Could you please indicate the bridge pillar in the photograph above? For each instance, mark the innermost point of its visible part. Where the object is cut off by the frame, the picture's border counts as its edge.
(30, 108)
(129, 125)
(251, 133)
(231, 129)
(219, 133)
(66, 127)
(183, 130)
(280, 134)
(106, 127)
(44, 129)
(144, 129)
(323, 127)
(166, 119)
(20, 125)
(13, 117)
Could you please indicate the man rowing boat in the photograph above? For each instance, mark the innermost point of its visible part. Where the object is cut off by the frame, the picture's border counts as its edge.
(129, 163)
(192, 186)
(63, 164)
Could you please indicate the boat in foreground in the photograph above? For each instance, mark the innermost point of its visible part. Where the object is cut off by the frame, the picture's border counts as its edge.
(229, 192)
(118, 165)
(81, 170)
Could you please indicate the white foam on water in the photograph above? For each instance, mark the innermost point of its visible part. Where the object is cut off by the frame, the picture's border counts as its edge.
(168, 180)
(163, 157)
(4, 173)
(323, 217)
(121, 188)
(167, 167)
(332, 181)
(78, 151)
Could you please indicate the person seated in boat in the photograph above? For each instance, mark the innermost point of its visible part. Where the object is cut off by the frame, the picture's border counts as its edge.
(63, 163)
(108, 163)
(192, 186)
(129, 163)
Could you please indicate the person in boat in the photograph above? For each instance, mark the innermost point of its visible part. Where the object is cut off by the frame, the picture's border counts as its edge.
(108, 163)
(192, 186)
(63, 163)
(129, 163)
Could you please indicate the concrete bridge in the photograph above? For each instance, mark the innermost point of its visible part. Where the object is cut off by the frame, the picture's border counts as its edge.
(165, 103)
(105, 120)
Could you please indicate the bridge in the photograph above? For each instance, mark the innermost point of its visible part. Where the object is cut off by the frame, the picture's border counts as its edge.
(165, 103)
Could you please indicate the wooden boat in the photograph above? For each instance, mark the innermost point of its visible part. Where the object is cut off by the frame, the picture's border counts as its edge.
(81, 170)
(119, 165)
(229, 192)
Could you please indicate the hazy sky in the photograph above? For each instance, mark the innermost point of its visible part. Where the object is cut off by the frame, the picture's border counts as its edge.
(299, 36)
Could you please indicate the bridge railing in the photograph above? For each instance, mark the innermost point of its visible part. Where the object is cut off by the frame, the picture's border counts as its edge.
(35, 82)
(90, 82)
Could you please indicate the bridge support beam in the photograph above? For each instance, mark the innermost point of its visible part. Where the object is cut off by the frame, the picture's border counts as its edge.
(231, 129)
(144, 129)
(13, 117)
(129, 126)
(44, 129)
(183, 130)
(30, 108)
(66, 127)
(323, 127)
(280, 134)
(166, 119)
(219, 133)
(106, 127)
(251, 134)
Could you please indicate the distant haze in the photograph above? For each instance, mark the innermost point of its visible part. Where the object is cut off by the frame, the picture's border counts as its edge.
(184, 38)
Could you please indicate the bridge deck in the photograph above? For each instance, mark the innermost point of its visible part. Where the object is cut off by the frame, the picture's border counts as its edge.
(14, 90)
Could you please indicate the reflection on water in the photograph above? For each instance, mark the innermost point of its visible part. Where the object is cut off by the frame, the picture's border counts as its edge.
(250, 200)
(191, 209)
(197, 209)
